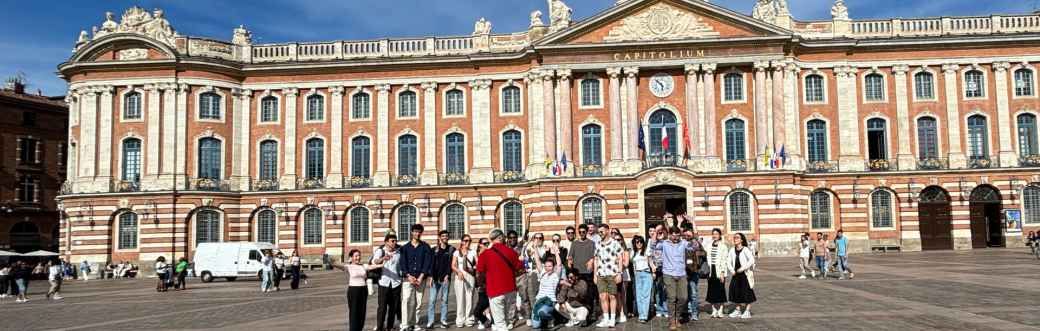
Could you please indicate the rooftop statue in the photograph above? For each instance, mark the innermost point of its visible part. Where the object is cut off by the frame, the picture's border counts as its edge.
(482, 27)
(781, 8)
(138, 21)
(559, 15)
(839, 11)
(764, 11)
(242, 36)
(536, 18)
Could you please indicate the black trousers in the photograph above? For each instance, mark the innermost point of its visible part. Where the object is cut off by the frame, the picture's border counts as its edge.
(180, 280)
(278, 277)
(483, 303)
(356, 297)
(295, 284)
(389, 300)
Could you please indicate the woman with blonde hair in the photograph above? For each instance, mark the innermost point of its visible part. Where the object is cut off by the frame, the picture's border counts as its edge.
(718, 257)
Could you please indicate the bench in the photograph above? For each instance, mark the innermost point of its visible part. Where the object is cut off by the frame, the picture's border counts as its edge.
(885, 248)
(132, 273)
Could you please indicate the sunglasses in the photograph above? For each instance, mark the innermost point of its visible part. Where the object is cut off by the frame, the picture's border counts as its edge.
(483, 244)
(466, 240)
(556, 240)
(539, 238)
(570, 233)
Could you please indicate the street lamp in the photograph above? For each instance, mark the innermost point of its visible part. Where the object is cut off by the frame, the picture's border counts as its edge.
(964, 188)
(855, 190)
(624, 196)
(776, 191)
(379, 206)
(556, 197)
(283, 210)
(154, 207)
(330, 207)
(706, 196)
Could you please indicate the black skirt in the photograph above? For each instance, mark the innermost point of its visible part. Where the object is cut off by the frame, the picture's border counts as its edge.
(740, 290)
(716, 288)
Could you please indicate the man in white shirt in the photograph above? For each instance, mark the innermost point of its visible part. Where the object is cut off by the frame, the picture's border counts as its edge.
(803, 256)
(54, 275)
(389, 283)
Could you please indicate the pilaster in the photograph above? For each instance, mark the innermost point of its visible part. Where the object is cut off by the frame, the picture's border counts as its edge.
(849, 157)
(288, 179)
(953, 117)
(711, 163)
(1007, 153)
(614, 93)
(181, 140)
(549, 113)
(794, 150)
(907, 161)
(635, 163)
(779, 116)
(104, 176)
(761, 111)
(429, 173)
(566, 119)
(169, 133)
(535, 131)
(692, 113)
(153, 142)
(240, 139)
(482, 171)
(382, 175)
(87, 136)
(335, 177)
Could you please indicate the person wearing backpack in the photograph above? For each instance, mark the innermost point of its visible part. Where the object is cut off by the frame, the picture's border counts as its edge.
(389, 293)
(84, 269)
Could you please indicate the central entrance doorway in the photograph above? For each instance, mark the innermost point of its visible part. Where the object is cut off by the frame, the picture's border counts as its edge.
(663, 199)
(986, 226)
(933, 212)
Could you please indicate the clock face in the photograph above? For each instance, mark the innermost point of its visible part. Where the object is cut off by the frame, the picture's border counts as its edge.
(661, 85)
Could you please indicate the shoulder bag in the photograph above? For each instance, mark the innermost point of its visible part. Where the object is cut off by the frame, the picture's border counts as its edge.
(376, 274)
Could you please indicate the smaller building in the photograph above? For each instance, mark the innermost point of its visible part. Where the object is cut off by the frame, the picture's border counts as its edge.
(33, 158)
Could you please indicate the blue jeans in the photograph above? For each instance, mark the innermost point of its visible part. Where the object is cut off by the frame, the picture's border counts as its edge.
(691, 299)
(821, 263)
(442, 287)
(843, 264)
(662, 295)
(644, 286)
(268, 282)
(545, 315)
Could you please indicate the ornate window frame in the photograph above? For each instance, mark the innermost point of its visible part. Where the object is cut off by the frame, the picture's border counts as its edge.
(280, 106)
(122, 104)
(350, 155)
(893, 207)
(443, 222)
(963, 86)
(501, 98)
(223, 104)
(603, 159)
(256, 224)
(122, 154)
(118, 235)
(350, 107)
(223, 152)
(397, 102)
(325, 151)
(303, 228)
(325, 105)
(444, 100)
(260, 156)
(752, 208)
(938, 133)
(1013, 83)
(349, 221)
(502, 143)
(725, 142)
(805, 87)
(830, 212)
(589, 76)
(467, 146)
(805, 137)
(913, 84)
(743, 86)
(884, 85)
(580, 209)
(397, 150)
(888, 134)
(221, 218)
(990, 152)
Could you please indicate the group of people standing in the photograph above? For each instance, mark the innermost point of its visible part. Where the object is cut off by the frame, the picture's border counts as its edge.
(168, 274)
(276, 268)
(820, 252)
(588, 275)
(15, 278)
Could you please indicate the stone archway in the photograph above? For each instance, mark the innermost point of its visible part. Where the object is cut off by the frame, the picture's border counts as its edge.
(660, 199)
(985, 210)
(934, 224)
(25, 237)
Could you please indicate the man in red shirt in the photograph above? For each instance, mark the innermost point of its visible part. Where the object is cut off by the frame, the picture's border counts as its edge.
(499, 265)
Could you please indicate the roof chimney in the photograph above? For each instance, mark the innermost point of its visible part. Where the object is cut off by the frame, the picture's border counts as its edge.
(15, 85)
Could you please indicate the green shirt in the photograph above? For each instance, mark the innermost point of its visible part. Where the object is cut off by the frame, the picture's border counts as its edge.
(180, 266)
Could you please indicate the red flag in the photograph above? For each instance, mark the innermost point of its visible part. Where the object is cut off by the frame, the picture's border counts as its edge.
(686, 137)
(664, 139)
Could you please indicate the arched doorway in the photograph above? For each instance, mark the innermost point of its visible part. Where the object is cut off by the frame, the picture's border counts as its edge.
(933, 212)
(659, 200)
(986, 229)
(25, 237)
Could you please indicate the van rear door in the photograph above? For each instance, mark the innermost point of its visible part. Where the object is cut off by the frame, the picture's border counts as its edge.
(248, 260)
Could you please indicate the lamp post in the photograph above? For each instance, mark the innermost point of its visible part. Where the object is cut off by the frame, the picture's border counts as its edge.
(556, 197)
(624, 196)
(330, 208)
(283, 210)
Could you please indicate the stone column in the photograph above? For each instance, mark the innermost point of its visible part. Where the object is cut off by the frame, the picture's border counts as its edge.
(761, 112)
(907, 161)
(87, 136)
(793, 122)
(429, 174)
(169, 131)
(616, 143)
(153, 142)
(566, 123)
(692, 113)
(335, 177)
(482, 171)
(240, 139)
(953, 117)
(288, 180)
(181, 139)
(1007, 153)
(382, 174)
(711, 152)
(779, 116)
(849, 157)
(549, 113)
(635, 163)
(105, 150)
(535, 122)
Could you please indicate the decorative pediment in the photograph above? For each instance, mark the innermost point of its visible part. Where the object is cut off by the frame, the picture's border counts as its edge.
(661, 22)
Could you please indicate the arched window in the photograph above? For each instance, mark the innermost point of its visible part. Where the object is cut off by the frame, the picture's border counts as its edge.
(405, 220)
(735, 146)
(1023, 82)
(734, 84)
(315, 158)
(814, 88)
(874, 87)
(407, 154)
(361, 147)
(820, 210)
(511, 100)
(661, 121)
(977, 138)
(406, 104)
(877, 141)
(269, 109)
(927, 144)
(592, 211)
(315, 108)
(269, 159)
(740, 212)
(132, 159)
(1031, 204)
(816, 131)
(312, 227)
(512, 151)
(362, 105)
(455, 103)
(132, 106)
(1027, 143)
(974, 86)
(591, 145)
(127, 230)
(209, 158)
(209, 106)
(455, 221)
(359, 225)
(590, 92)
(513, 216)
(455, 154)
(924, 86)
(266, 225)
(207, 227)
(881, 209)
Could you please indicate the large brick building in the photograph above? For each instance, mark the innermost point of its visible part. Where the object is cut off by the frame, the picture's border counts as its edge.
(906, 133)
(33, 149)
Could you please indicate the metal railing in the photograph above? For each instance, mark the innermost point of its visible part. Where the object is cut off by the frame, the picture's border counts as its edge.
(821, 166)
(453, 178)
(119, 186)
(358, 182)
(933, 163)
(264, 185)
(590, 170)
(661, 160)
(310, 183)
(740, 165)
(1031, 160)
(406, 180)
(881, 165)
(208, 184)
(982, 162)
(510, 176)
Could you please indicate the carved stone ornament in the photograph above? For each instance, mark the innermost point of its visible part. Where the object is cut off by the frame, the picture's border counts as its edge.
(839, 11)
(452, 196)
(821, 184)
(740, 184)
(591, 189)
(510, 194)
(404, 198)
(664, 176)
(133, 54)
(124, 202)
(781, 8)
(536, 18)
(559, 15)
(933, 181)
(764, 11)
(137, 20)
(207, 202)
(263, 202)
(242, 36)
(310, 200)
(985, 179)
(357, 199)
(661, 22)
(882, 183)
(1035, 178)
(481, 27)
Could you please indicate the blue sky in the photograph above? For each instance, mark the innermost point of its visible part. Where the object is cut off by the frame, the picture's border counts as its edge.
(36, 36)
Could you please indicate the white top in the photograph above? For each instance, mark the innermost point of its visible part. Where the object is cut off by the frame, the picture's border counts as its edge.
(268, 263)
(160, 267)
(547, 285)
(803, 249)
(279, 263)
(641, 262)
(295, 260)
(390, 277)
(3, 271)
(55, 271)
(470, 259)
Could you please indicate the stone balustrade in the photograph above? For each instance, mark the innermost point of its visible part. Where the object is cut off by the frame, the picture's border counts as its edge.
(367, 49)
(915, 27)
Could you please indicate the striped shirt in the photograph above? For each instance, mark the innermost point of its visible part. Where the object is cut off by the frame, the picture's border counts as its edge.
(547, 285)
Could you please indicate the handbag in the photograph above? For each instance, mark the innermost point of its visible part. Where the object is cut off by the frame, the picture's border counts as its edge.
(705, 270)
(376, 274)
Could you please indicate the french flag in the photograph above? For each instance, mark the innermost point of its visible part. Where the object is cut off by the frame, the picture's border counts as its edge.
(664, 139)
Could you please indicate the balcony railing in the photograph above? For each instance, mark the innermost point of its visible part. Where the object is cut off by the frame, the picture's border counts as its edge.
(740, 165)
(881, 165)
(933, 163)
(981, 162)
(264, 185)
(660, 160)
(119, 186)
(453, 178)
(406, 180)
(208, 184)
(359, 182)
(510, 176)
(590, 170)
(310, 183)
(1031, 160)
(822, 166)
(27, 205)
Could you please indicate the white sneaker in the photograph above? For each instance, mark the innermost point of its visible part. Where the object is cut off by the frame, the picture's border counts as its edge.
(418, 328)
(801, 277)
(660, 315)
(18, 300)
(480, 326)
(57, 298)
(746, 314)
(735, 313)
(611, 324)
(813, 273)
(552, 324)
(571, 323)
(493, 328)
(714, 312)
(603, 323)
(510, 326)
(528, 322)
(622, 319)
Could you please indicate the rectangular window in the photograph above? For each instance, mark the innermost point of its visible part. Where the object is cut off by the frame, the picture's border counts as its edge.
(820, 210)
(923, 86)
(511, 100)
(1023, 82)
(590, 92)
(29, 119)
(27, 189)
(973, 85)
(874, 89)
(881, 209)
(734, 87)
(362, 105)
(63, 154)
(814, 88)
(359, 225)
(739, 212)
(28, 150)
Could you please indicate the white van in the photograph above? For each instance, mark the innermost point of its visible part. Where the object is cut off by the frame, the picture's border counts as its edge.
(231, 260)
